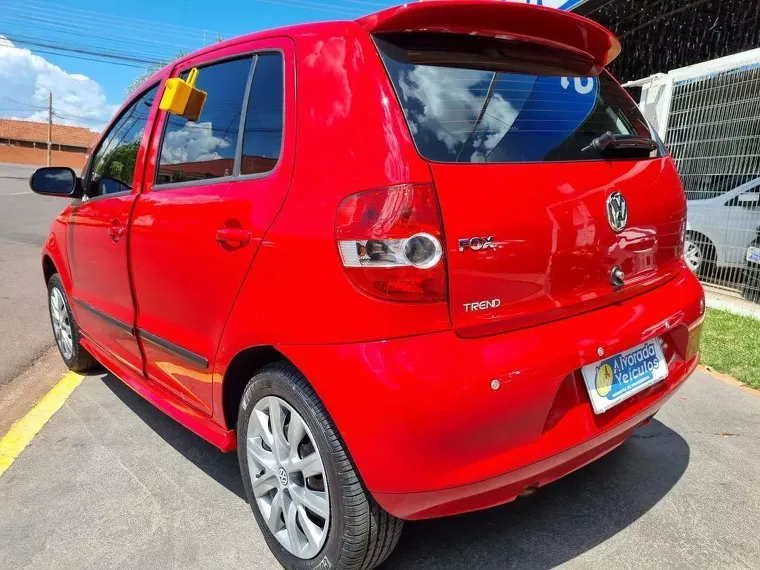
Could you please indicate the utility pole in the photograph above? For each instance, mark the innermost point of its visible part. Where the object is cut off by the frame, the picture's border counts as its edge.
(50, 129)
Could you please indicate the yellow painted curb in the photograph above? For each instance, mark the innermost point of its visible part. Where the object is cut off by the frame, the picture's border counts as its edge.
(23, 431)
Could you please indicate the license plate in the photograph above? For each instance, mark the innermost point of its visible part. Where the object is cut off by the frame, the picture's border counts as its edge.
(753, 254)
(617, 378)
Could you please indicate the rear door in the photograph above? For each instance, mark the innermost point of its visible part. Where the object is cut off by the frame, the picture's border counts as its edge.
(528, 213)
(212, 189)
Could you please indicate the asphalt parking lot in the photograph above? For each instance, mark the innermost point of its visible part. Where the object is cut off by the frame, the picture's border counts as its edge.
(110, 482)
(24, 222)
(24, 325)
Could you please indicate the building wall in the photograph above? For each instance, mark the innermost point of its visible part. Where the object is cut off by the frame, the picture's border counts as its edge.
(38, 156)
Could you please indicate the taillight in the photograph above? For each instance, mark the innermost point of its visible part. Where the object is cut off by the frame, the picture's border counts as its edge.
(390, 239)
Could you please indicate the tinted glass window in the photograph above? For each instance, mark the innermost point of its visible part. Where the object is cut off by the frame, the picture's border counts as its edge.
(204, 149)
(263, 121)
(113, 165)
(479, 100)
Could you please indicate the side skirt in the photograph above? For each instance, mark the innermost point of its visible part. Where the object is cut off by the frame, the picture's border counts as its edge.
(164, 400)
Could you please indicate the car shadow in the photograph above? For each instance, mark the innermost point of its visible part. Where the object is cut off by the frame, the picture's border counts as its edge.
(562, 520)
(558, 523)
(222, 467)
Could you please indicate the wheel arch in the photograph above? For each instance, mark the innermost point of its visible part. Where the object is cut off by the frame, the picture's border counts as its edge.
(55, 256)
(48, 267)
(243, 366)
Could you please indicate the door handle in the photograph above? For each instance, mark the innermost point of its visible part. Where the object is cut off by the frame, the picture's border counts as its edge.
(233, 236)
(116, 231)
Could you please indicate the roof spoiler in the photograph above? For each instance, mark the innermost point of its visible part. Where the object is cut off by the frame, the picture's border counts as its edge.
(497, 18)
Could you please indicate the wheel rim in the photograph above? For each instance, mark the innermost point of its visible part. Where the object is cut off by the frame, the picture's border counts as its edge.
(288, 477)
(693, 255)
(59, 315)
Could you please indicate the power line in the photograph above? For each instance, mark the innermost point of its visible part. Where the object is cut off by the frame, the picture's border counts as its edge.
(61, 47)
(355, 9)
(81, 34)
(70, 56)
(101, 28)
(139, 44)
(363, 2)
(80, 118)
(66, 30)
(90, 15)
(15, 102)
(332, 8)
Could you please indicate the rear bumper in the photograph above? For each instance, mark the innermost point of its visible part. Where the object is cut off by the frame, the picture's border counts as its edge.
(506, 487)
(431, 437)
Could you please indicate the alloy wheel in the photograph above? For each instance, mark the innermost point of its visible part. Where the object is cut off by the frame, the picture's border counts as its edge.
(288, 477)
(693, 255)
(59, 315)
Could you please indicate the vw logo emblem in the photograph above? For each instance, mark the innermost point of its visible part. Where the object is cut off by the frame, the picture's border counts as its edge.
(617, 211)
(283, 477)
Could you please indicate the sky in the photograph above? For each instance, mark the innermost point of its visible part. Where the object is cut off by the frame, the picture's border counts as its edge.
(87, 92)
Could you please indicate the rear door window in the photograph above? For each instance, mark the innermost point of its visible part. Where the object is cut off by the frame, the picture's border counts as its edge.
(262, 138)
(474, 100)
(205, 149)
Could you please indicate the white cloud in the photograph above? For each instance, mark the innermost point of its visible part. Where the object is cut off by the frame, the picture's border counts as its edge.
(451, 101)
(194, 142)
(26, 78)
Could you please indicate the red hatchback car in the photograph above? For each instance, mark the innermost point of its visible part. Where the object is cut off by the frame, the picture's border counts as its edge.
(412, 265)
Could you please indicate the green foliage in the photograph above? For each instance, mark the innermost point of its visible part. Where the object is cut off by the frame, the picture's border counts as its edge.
(120, 162)
(731, 345)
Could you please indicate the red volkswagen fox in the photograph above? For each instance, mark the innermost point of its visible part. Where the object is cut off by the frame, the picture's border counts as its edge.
(408, 266)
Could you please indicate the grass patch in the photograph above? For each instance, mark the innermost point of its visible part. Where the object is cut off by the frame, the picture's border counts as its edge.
(731, 345)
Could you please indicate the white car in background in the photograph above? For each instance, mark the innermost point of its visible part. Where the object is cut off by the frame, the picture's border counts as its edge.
(719, 230)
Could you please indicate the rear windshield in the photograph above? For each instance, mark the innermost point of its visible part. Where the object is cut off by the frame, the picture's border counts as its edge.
(470, 99)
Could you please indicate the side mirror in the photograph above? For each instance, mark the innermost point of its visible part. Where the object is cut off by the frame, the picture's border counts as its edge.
(748, 200)
(55, 181)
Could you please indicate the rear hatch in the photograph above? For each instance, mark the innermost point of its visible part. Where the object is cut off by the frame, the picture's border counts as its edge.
(528, 210)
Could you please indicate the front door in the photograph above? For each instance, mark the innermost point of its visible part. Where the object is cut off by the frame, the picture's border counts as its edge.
(102, 297)
(211, 192)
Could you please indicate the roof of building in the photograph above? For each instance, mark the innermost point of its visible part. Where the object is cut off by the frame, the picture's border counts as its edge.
(38, 132)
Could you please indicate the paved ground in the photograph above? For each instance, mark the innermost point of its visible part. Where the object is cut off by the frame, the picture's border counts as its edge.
(24, 222)
(731, 301)
(110, 482)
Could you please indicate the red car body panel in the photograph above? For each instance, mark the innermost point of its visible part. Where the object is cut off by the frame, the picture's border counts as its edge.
(429, 398)
(174, 235)
(100, 274)
(404, 382)
(553, 251)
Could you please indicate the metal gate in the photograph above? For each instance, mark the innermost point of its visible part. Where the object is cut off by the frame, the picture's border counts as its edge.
(709, 116)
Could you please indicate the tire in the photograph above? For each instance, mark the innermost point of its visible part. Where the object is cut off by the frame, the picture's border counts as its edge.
(699, 254)
(72, 352)
(358, 533)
